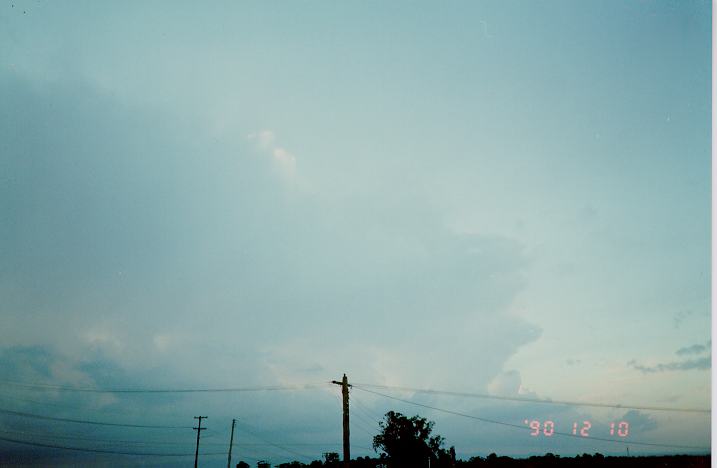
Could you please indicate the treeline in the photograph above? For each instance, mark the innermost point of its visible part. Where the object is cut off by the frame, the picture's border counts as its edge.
(587, 460)
(548, 460)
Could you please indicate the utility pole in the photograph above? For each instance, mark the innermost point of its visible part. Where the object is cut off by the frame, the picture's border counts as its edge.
(199, 429)
(345, 393)
(231, 442)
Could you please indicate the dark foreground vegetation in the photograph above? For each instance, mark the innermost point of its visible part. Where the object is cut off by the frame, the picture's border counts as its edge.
(591, 460)
(549, 460)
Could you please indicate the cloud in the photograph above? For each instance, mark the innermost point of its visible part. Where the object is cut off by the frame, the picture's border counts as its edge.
(704, 363)
(283, 160)
(694, 349)
(210, 234)
(639, 421)
(165, 342)
(680, 317)
(42, 365)
(264, 139)
(510, 383)
(506, 383)
(25, 362)
(139, 264)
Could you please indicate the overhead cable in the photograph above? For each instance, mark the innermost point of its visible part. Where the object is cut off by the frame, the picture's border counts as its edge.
(535, 400)
(63, 388)
(523, 428)
(114, 452)
(84, 421)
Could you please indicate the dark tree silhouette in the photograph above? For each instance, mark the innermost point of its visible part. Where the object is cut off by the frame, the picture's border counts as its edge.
(331, 459)
(407, 442)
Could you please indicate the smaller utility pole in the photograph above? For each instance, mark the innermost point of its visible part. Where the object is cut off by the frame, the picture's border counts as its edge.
(199, 429)
(231, 442)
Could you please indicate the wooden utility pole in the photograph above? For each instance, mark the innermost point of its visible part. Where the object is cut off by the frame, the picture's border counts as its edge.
(345, 393)
(231, 442)
(199, 429)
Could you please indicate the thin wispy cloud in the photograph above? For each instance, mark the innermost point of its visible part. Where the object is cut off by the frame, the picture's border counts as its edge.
(283, 159)
(639, 421)
(694, 349)
(704, 363)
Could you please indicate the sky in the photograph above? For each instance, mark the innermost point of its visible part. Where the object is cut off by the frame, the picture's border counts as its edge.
(504, 198)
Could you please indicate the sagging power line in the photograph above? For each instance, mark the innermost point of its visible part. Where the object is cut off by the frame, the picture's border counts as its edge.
(523, 428)
(113, 452)
(546, 401)
(85, 421)
(151, 442)
(48, 387)
(535, 400)
(364, 414)
(243, 427)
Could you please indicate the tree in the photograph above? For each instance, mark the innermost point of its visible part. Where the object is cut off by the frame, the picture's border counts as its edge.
(331, 459)
(407, 442)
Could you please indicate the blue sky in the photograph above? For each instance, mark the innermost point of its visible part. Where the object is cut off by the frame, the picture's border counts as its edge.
(503, 197)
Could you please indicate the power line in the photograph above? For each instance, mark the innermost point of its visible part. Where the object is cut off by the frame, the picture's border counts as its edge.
(281, 447)
(330, 444)
(83, 421)
(249, 457)
(100, 440)
(486, 420)
(362, 427)
(155, 442)
(47, 387)
(368, 411)
(364, 412)
(361, 447)
(104, 411)
(54, 405)
(536, 400)
(259, 455)
(364, 419)
(523, 428)
(44, 403)
(365, 431)
(114, 452)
